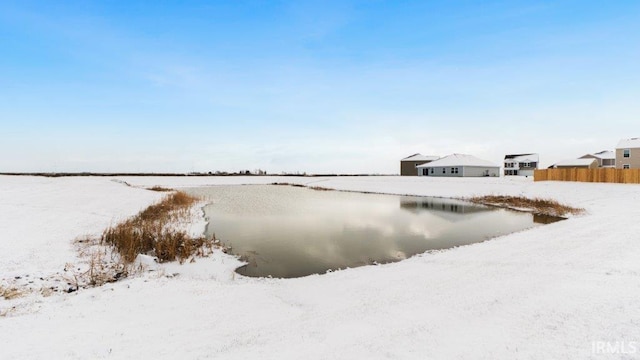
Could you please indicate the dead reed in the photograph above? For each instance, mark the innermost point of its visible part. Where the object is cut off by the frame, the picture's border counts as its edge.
(159, 189)
(153, 232)
(318, 188)
(9, 293)
(537, 205)
(288, 184)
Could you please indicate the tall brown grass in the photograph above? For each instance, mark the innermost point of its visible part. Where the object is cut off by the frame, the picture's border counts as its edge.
(9, 293)
(152, 232)
(541, 206)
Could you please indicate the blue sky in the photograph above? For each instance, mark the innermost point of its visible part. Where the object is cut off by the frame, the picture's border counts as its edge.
(311, 86)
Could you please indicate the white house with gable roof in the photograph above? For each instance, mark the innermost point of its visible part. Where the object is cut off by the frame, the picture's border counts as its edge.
(459, 165)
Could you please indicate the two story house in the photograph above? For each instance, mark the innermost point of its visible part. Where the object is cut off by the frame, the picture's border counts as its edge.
(520, 164)
(605, 158)
(628, 154)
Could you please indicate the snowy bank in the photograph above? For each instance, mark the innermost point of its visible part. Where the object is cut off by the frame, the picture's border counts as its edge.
(549, 292)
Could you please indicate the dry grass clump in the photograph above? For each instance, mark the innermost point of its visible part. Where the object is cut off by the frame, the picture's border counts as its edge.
(318, 188)
(541, 206)
(9, 293)
(288, 184)
(152, 232)
(159, 189)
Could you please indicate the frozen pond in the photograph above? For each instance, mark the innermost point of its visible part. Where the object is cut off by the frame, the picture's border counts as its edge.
(285, 231)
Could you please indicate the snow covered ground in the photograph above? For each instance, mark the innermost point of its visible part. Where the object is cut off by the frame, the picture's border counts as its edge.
(568, 290)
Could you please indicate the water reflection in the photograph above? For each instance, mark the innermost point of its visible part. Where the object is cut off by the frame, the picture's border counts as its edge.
(415, 204)
(291, 232)
(545, 219)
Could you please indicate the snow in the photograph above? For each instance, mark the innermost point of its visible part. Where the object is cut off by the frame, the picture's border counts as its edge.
(41, 216)
(548, 292)
(629, 143)
(605, 155)
(420, 157)
(522, 158)
(458, 160)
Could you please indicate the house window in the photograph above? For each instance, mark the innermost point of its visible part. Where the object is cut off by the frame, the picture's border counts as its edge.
(626, 166)
(432, 170)
(424, 172)
(454, 170)
(444, 170)
(626, 153)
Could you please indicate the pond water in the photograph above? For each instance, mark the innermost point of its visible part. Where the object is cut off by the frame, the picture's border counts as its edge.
(286, 231)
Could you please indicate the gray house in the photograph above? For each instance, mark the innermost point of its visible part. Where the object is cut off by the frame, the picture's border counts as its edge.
(628, 154)
(459, 165)
(408, 164)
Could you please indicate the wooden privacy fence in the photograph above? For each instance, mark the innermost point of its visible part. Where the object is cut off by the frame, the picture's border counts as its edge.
(623, 176)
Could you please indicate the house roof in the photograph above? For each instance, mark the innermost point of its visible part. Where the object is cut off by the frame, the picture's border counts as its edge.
(420, 157)
(459, 160)
(575, 162)
(604, 154)
(628, 143)
(523, 157)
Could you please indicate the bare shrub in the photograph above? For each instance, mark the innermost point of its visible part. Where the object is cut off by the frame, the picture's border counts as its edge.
(541, 206)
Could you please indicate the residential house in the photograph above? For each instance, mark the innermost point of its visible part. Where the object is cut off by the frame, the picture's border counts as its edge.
(408, 164)
(606, 158)
(589, 163)
(628, 154)
(459, 165)
(521, 164)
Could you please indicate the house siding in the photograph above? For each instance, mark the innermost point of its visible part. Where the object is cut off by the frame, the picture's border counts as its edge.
(470, 171)
(533, 166)
(408, 168)
(633, 160)
(463, 171)
(445, 171)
